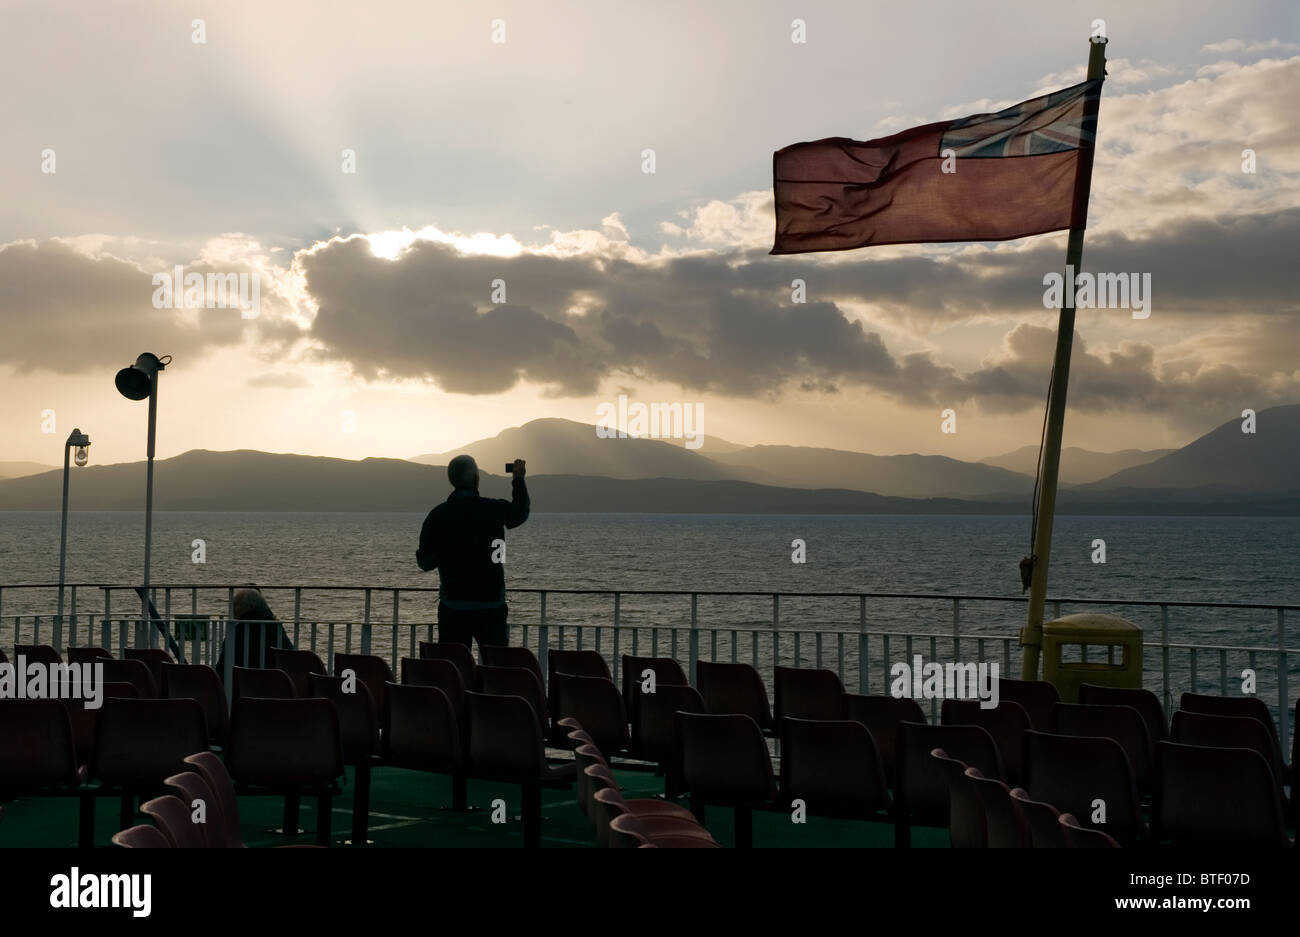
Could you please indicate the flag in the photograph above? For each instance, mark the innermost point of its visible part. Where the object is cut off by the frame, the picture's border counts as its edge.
(990, 177)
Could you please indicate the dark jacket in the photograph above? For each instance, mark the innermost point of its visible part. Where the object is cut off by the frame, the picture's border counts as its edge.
(253, 641)
(456, 539)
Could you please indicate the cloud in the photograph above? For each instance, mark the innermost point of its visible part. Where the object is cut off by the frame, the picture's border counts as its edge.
(285, 381)
(1251, 46)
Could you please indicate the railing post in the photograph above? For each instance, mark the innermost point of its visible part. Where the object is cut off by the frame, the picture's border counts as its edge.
(543, 639)
(365, 627)
(617, 637)
(956, 629)
(1164, 655)
(297, 616)
(694, 652)
(1283, 693)
(397, 594)
(863, 680)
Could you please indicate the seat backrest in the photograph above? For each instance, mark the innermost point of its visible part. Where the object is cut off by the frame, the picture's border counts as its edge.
(627, 832)
(515, 681)
(174, 818)
(86, 655)
(140, 742)
(194, 791)
(1195, 728)
(423, 729)
(1044, 820)
(655, 734)
(1037, 696)
(260, 683)
(213, 771)
(966, 824)
(37, 748)
(881, 715)
(1248, 706)
(922, 789)
(200, 682)
(724, 759)
(38, 653)
(1007, 722)
(299, 665)
(83, 718)
(456, 653)
(358, 716)
(833, 766)
(1004, 823)
(585, 663)
(284, 743)
(1216, 797)
(438, 672)
(666, 670)
(1071, 772)
(807, 694)
(1122, 724)
(1144, 701)
(371, 670)
(133, 672)
(733, 688)
(512, 657)
(607, 806)
(584, 756)
(1082, 837)
(596, 703)
(153, 658)
(141, 837)
(504, 739)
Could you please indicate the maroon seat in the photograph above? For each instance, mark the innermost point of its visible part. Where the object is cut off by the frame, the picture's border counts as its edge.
(194, 791)
(134, 672)
(609, 805)
(38, 654)
(423, 733)
(214, 773)
(807, 694)
(1122, 724)
(83, 718)
(921, 794)
(666, 670)
(371, 670)
(288, 747)
(441, 673)
(654, 734)
(299, 665)
(174, 817)
(38, 757)
(512, 657)
(724, 761)
(1251, 707)
(1004, 822)
(597, 704)
(260, 683)
(733, 688)
(595, 776)
(141, 742)
(1082, 837)
(834, 768)
(200, 682)
(1007, 723)
(84, 655)
(627, 832)
(1144, 701)
(515, 681)
(359, 728)
(153, 658)
(1210, 731)
(586, 663)
(967, 827)
(458, 654)
(141, 837)
(506, 745)
(1216, 797)
(1037, 696)
(1044, 821)
(1071, 772)
(881, 715)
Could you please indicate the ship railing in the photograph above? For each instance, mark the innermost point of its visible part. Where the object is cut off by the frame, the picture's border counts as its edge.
(859, 644)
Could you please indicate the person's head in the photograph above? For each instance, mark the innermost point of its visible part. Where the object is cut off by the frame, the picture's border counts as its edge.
(462, 472)
(251, 606)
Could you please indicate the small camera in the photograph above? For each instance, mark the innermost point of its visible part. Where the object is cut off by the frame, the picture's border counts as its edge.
(510, 468)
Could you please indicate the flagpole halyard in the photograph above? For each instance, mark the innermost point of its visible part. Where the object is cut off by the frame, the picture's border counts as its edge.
(1031, 636)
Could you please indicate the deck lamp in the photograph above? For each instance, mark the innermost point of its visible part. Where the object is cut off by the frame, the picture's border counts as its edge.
(137, 382)
(80, 441)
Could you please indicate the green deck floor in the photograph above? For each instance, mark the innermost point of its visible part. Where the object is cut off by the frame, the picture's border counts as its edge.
(405, 811)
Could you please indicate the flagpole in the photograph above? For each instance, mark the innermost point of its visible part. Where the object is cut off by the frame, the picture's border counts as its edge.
(1031, 637)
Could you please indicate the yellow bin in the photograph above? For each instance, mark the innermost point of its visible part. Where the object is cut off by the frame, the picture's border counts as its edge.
(1076, 650)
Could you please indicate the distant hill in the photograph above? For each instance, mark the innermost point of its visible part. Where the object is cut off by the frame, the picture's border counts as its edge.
(257, 481)
(1078, 466)
(18, 469)
(1266, 461)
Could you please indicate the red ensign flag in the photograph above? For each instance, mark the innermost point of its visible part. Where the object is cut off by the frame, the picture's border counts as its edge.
(990, 177)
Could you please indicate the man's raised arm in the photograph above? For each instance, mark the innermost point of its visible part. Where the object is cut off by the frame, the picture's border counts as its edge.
(517, 512)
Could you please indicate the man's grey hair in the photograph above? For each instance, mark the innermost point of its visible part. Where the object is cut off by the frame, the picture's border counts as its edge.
(251, 606)
(462, 472)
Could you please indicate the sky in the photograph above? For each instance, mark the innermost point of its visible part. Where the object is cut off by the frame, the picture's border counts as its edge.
(500, 253)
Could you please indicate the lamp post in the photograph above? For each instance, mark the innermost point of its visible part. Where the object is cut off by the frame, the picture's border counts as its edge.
(137, 382)
(80, 441)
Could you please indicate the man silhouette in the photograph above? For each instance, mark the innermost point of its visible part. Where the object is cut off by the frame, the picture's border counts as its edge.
(464, 538)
